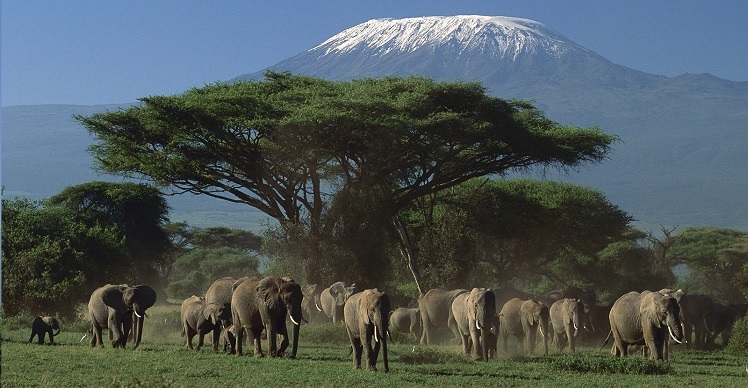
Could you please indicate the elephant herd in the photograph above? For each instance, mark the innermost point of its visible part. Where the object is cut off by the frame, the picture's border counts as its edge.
(242, 309)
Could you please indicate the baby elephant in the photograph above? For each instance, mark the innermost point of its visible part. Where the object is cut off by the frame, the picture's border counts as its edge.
(200, 318)
(44, 325)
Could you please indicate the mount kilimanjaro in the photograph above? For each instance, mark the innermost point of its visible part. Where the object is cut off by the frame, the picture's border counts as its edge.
(683, 158)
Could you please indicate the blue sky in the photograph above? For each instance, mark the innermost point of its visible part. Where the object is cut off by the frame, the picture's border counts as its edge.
(101, 52)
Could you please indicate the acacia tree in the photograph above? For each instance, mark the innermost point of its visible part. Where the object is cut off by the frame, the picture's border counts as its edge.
(338, 159)
(496, 231)
(715, 258)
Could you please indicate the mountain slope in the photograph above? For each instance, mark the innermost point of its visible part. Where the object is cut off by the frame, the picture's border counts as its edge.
(684, 151)
(683, 159)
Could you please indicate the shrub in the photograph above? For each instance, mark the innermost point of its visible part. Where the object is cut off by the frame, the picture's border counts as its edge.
(739, 338)
(612, 365)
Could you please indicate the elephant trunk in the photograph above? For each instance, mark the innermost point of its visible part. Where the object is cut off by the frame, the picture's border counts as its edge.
(380, 335)
(675, 328)
(138, 330)
(295, 343)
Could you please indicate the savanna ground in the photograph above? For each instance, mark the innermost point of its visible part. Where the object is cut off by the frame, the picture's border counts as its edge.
(323, 360)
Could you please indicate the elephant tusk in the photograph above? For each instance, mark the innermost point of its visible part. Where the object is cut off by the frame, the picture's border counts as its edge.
(138, 315)
(84, 337)
(376, 337)
(317, 306)
(541, 330)
(293, 320)
(575, 326)
(477, 325)
(671, 335)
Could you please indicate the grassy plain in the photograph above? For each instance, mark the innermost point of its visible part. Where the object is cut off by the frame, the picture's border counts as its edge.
(323, 360)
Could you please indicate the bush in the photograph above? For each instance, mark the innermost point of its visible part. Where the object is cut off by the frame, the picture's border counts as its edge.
(612, 365)
(739, 338)
(431, 355)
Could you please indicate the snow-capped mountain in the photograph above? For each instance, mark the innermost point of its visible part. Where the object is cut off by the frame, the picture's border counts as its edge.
(682, 153)
(681, 161)
(497, 36)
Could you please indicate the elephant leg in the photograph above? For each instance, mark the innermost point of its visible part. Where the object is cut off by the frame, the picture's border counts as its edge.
(200, 339)
(357, 350)
(572, 339)
(257, 341)
(465, 343)
(521, 344)
(369, 355)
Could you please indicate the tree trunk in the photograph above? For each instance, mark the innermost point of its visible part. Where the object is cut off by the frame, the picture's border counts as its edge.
(407, 251)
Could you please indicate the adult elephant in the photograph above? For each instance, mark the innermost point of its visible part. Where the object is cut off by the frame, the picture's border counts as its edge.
(119, 308)
(41, 326)
(366, 317)
(407, 320)
(219, 293)
(198, 317)
(721, 320)
(436, 307)
(311, 305)
(333, 300)
(567, 315)
(258, 305)
(523, 319)
(695, 311)
(645, 319)
(473, 314)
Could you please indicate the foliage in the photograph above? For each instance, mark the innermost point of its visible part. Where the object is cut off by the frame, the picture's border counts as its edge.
(136, 211)
(715, 258)
(496, 231)
(739, 337)
(197, 269)
(338, 159)
(51, 259)
(612, 365)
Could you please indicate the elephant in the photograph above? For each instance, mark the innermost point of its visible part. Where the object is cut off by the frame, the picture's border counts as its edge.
(219, 293)
(258, 305)
(198, 317)
(41, 326)
(407, 320)
(695, 310)
(596, 320)
(721, 320)
(567, 315)
(523, 319)
(119, 308)
(366, 316)
(473, 314)
(436, 308)
(312, 305)
(333, 298)
(645, 319)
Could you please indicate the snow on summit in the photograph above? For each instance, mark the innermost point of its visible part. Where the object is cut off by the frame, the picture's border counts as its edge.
(502, 36)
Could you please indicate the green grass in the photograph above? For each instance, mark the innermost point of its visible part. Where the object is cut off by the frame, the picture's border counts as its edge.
(323, 360)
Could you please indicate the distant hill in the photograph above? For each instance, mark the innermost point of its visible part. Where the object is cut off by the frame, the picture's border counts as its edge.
(683, 159)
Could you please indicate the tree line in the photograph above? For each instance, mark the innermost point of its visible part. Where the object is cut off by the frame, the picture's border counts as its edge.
(382, 181)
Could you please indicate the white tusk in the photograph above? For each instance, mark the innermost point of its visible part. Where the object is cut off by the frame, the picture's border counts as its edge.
(376, 338)
(541, 330)
(138, 315)
(84, 337)
(293, 320)
(671, 335)
(317, 306)
(575, 326)
(477, 325)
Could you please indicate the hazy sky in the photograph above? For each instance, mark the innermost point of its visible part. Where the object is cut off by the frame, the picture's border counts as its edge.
(101, 52)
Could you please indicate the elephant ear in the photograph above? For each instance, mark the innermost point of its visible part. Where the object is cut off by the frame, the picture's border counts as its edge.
(114, 298)
(268, 290)
(337, 288)
(527, 315)
(145, 296)
(210, 313)
(648, 309)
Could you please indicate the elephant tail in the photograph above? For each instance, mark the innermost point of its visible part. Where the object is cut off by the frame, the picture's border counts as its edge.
(606, 339)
